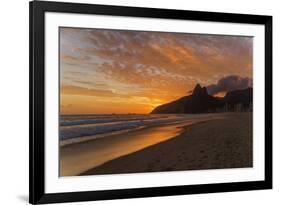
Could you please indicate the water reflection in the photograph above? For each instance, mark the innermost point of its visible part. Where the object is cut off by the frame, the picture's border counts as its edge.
(80, 157)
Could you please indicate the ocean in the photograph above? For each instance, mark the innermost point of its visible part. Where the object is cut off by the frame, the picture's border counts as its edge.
(78, 128)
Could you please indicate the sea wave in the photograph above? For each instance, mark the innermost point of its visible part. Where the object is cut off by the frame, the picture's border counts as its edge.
(74, 128)
(73, 120)
(80, 128)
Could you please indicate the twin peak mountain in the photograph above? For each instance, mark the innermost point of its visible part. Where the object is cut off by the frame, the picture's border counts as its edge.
(201, 102)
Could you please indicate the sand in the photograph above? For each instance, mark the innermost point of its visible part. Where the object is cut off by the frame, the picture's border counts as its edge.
(79, 157)
(214, 144)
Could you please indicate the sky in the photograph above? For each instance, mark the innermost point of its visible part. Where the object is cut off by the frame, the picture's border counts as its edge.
(118, 71)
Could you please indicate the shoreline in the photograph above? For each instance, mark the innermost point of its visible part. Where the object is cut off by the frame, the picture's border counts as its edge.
(183, 119)
(78, 156)
(227, 144)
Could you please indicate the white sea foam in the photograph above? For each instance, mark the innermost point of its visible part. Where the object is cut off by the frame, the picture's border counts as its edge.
(75, 128)
(91, 119)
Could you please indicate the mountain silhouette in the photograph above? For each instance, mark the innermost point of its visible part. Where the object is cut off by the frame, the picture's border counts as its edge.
(201, 102)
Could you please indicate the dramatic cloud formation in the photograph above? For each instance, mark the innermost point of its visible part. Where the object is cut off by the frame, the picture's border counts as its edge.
(155, 66)
(229, 83)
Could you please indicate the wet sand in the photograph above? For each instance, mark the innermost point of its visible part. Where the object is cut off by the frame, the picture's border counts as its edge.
(79, 157)
(213, 144)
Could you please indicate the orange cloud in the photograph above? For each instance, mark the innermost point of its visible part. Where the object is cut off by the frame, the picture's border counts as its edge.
(152, 66)
(75, 90)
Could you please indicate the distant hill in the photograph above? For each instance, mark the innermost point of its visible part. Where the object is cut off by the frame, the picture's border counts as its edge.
(201, 102)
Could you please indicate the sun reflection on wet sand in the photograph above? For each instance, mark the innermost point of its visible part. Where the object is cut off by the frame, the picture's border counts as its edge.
(79, 157)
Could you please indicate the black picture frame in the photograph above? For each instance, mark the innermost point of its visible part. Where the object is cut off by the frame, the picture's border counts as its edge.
(37, 194)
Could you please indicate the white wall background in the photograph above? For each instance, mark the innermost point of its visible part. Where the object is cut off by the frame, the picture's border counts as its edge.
(14, 100)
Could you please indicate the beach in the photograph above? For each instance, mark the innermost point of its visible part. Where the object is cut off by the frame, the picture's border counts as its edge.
(79, 157)
(209, 144)
(138, 101)
(81, 153)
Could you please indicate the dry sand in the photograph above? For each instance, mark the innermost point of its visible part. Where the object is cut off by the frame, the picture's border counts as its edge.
(215, 144)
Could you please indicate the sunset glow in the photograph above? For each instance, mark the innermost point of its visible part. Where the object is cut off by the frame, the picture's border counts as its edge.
(114, 71)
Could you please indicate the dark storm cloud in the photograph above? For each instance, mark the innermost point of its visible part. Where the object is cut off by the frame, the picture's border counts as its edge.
(229, 83)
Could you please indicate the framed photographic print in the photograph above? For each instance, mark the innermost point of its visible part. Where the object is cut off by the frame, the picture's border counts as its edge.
(140, 102)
